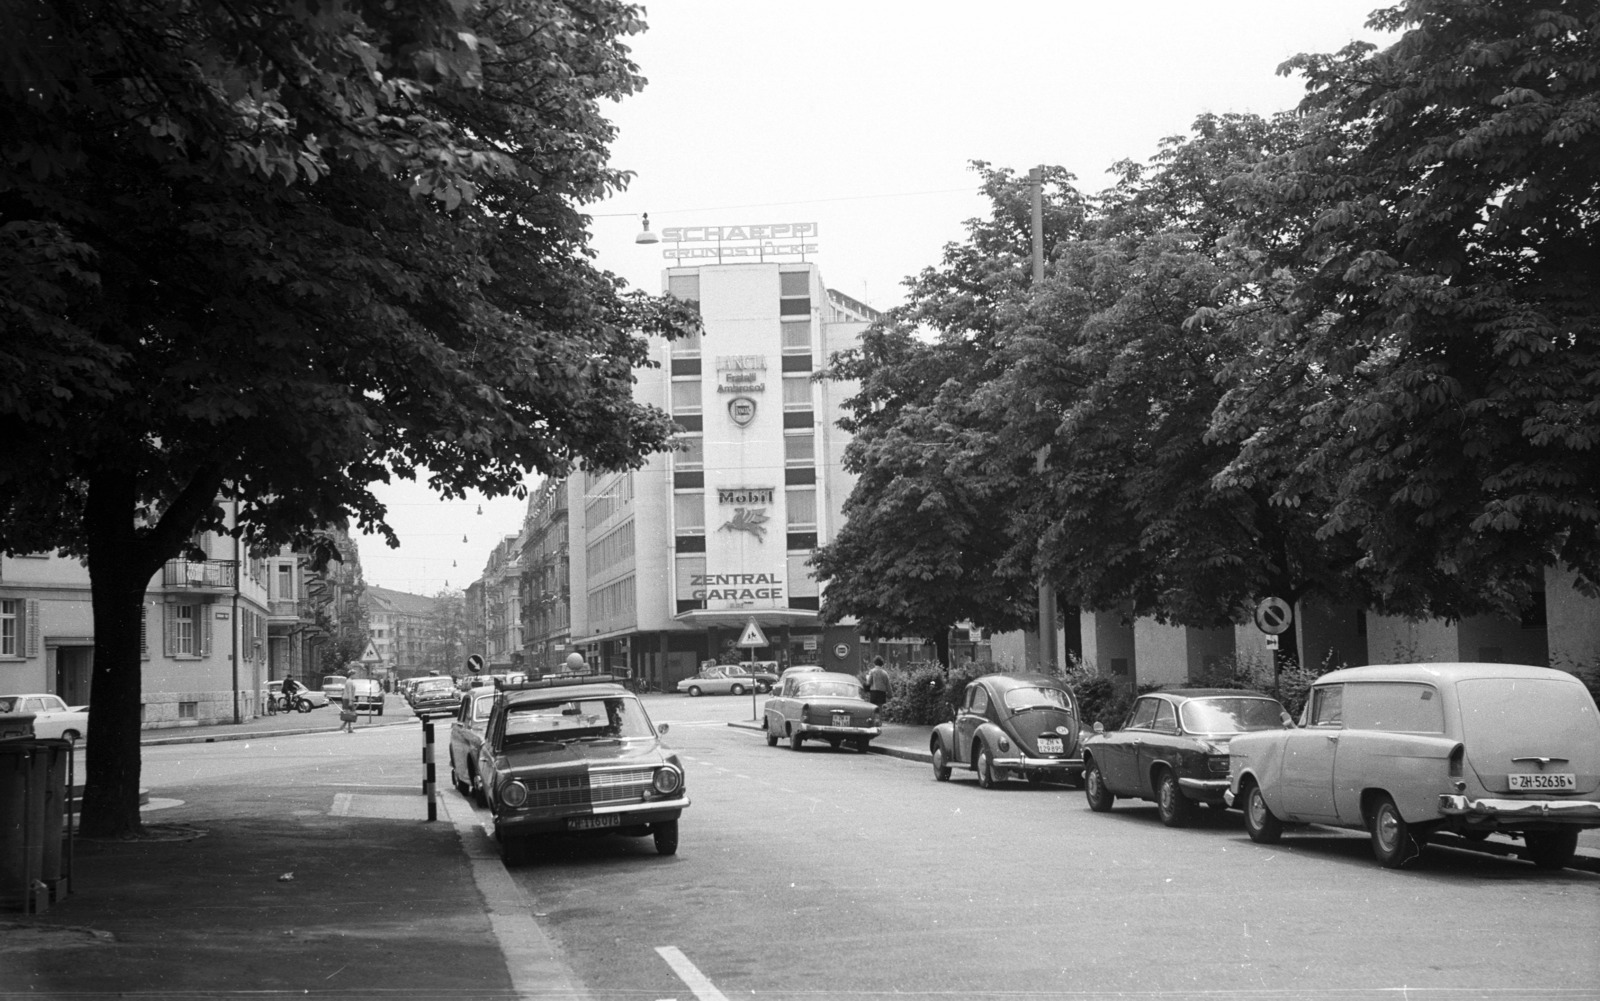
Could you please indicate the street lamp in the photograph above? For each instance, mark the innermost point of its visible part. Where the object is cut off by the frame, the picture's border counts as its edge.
(645, 236)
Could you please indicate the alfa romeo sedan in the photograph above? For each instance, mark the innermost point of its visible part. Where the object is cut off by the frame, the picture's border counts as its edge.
(1406, 750)
(578, 754)
(1024, 725)
(466, 740)
(1173, 748)
(820, 705)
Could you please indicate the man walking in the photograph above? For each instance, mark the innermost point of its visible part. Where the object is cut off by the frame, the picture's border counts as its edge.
(877, 684)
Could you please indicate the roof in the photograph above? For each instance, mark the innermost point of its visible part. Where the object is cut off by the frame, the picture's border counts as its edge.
(1006, 682)
(1443, 672)
(1209, 693)
(400, 602)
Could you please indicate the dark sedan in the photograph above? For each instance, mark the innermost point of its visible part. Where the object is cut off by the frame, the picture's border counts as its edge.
(1173, 749)
(1024, 725)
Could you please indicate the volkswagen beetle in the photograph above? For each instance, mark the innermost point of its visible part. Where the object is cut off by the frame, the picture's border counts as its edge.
(1023, 725)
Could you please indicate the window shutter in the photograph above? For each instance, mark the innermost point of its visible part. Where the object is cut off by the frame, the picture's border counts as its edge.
(203, 612)
(144, 632)
(31, 628)
(169, 629)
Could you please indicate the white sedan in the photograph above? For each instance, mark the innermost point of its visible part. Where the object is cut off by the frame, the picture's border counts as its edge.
(52, 717)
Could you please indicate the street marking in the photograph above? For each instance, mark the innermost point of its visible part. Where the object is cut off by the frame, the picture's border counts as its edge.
(696, 981)
(341, 805)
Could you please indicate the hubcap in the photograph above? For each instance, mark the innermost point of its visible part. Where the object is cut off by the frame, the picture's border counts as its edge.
(1388, 829)
(1258, 808)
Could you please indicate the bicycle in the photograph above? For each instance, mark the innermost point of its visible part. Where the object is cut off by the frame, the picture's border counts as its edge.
(280, 704)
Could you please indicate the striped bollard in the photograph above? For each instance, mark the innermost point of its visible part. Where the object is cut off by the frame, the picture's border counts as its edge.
(429, 784)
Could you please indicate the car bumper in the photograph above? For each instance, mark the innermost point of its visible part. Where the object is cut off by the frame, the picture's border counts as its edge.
(1023, 761)
(1209, 789)
(855, 732)
(1562, 810)
(626, 814)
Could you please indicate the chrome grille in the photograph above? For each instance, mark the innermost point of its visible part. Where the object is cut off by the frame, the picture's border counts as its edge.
(609, 787)
(599, 787)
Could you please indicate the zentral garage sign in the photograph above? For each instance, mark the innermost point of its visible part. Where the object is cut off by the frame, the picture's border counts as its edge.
(736, 586)
(760, 241)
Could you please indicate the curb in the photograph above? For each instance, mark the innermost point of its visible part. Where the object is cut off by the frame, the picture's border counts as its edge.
(904, 753)
(251, 734)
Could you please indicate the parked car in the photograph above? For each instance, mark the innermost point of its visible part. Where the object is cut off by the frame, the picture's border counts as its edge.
(798, 669)
(435, 696)
(718, 679)
(578, 754)
(1024, 725)
(333, 686)
(53, 719)
(764, 671)
(314, 697)
(1407, 750)
(363, 695)
(466, 739)
(820, 706)
(1173, 748)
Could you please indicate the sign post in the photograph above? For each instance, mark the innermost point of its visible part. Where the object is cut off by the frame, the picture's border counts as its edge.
(1274, 616)
(751, 640)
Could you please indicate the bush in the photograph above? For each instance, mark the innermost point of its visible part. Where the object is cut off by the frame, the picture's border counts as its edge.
(924, 696)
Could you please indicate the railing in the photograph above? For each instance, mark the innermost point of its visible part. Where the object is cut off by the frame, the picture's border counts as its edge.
(203, 575)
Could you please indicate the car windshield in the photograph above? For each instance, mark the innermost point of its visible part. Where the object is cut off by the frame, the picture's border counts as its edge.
(1022, 699)
(827, 689)
(1230, 715)
(576, 719)
(8, 704)
(434, 685)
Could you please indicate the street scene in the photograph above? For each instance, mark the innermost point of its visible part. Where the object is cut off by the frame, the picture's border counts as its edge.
(557, 499)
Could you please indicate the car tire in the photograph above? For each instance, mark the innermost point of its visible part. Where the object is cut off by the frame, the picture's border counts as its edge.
(694, 691)
(1394, 842)
(1259, 823)
(941, 764)
(772, 737)
(666, 837)
(1550, 849)
(985, 767)
(513, 850)
(71, 735)
(476, 789)
(304, 705)
(1095, 789)
(795, 740)
(455, 780)
(736, 690)
(1175, 808)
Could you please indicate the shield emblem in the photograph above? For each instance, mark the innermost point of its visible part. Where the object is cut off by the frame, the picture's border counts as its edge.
(742, 409)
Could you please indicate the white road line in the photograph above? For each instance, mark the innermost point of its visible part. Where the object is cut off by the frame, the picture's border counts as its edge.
(703, 988)
(341, 805)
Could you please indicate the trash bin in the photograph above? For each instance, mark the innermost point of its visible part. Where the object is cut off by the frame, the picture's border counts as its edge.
(33, 791)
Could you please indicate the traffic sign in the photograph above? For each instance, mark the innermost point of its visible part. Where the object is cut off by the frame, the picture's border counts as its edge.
(1273, 616)
(1272, 641)
(752, 637)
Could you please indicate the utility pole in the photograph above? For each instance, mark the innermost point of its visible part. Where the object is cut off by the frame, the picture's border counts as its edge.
(1047, 591)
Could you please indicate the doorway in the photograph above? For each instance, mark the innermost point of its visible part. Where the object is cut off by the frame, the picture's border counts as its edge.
(74, 665)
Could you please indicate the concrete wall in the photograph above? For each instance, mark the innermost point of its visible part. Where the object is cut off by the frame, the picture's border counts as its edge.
(1394, 640)
(1572, 622)
(1330, 635)
(1163, 653)
(1108, 645)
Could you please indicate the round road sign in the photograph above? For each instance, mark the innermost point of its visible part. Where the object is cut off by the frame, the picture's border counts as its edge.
(1273, 616)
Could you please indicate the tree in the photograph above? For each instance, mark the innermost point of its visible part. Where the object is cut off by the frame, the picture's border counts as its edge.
(275, 253)
(447, 632)
(1437, 366)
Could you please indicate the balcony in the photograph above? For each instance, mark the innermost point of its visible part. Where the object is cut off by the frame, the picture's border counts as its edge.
(203, 576)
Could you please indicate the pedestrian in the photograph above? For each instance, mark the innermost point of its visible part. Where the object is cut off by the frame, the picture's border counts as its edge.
(878, 685)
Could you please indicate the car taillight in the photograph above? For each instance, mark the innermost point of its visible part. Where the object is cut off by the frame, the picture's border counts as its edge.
(513, 793)
(1458, 755)
(667, 781)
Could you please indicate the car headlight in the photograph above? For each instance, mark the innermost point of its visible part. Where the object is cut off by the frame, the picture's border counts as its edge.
(668, 781)
(1218, 764)
(513, 793)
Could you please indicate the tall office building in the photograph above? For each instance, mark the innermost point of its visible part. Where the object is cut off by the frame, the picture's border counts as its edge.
(671, 563)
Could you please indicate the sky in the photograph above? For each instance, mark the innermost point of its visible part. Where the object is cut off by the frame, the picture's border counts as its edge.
(864, 117)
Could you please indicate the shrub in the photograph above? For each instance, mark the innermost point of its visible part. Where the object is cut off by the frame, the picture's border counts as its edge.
(924, 696)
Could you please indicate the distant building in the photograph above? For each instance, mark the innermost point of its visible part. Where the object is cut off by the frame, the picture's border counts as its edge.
(398, 626)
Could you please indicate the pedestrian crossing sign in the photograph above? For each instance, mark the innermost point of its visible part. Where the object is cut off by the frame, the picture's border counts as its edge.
(752, 637)
(370, 655)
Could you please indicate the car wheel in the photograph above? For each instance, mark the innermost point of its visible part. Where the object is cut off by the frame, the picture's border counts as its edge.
(476, 788)
(71, 735)
(985, 768)
(304, 705)
(1475, 836)
(795, 740)
(1393, 841)
(1259, 823)
(862, 744)
(694, 691)
(1095, 789)
(455, 780)
(666, 837)
(1035, 779)
(736, 690)
(1176, 810)
(772, 736)
(941, 765)
(1550, 849)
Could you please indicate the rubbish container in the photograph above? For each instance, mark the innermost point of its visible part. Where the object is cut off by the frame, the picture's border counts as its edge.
(33, 790)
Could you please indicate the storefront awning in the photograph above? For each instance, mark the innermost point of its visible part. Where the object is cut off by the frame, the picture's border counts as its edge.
(736, 618)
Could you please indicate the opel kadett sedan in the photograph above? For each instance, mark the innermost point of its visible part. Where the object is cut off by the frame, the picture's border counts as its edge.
(820, 705)
(1024, 725)
(1173, 748)
(578, 754)
(466, 739)
(1406, 750)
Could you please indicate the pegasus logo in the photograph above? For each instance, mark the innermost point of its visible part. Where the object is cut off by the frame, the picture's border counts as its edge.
(747, 519)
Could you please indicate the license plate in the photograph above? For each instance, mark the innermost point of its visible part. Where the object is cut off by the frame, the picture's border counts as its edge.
(590, 823)
(1049, 745)
(1543, 782)
(841, 719)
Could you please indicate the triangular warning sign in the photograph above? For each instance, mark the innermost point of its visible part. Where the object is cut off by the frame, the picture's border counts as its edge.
(370, 654)
(752, 636)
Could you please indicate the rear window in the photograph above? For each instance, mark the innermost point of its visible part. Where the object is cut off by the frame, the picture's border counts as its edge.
(1495, 706)
(1394, 707)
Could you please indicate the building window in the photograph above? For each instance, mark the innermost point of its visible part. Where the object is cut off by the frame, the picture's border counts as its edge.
(185, 621)
(690, 574)
(796, 336)
(794, 293)
(691, 453)
(689, 513)
(188, 710)
(685, 287)
(801, 506)
(799, 449)
(797, 392)
(796, 363)
(10, 628)
(187, 631)
(686, 396)
(285, 582)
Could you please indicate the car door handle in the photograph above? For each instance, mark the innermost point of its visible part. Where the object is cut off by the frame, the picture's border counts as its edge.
(1333, 738)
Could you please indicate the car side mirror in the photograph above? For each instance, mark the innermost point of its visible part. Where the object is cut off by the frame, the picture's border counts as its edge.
(1099, 727)
(1288, 721)
(663, 727)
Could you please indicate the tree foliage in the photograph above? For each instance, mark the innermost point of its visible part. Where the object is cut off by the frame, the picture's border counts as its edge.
(273, 252)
